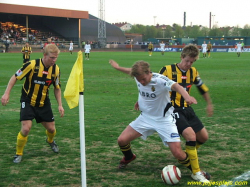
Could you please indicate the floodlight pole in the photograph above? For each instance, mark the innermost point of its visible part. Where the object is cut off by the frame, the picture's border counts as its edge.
(102, 40)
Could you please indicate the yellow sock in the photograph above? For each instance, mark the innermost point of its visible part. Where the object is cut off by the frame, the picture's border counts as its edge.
(192, 153)
(198, 144)
(50, 136)
(21, 142)
(185, 162)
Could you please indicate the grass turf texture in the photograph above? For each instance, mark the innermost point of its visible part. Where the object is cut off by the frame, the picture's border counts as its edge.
(109, 98)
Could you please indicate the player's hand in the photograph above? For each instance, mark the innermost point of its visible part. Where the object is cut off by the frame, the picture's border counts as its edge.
(5, 99)
(210, 110)
(191, 100)
(114, 64)
(136, 107)
(61, 111)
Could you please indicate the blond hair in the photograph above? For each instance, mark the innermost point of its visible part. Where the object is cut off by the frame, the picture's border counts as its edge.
(190, 50)
(139, 68)
(51, 48)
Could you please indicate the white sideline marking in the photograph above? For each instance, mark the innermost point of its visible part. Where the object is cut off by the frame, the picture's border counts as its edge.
(244, 177)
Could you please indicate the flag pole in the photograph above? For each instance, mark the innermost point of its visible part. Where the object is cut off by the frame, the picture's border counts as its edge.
(82, 140)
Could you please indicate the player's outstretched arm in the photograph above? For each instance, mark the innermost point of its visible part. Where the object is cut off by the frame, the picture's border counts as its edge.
(115, 65)
(189, 99)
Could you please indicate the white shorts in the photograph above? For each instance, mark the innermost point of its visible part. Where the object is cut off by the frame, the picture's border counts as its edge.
(166, 128)
(238, 50)
(70, 48)
(204, 50)
(163, 49)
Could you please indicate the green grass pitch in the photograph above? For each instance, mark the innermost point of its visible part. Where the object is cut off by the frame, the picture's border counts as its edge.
(109, 98)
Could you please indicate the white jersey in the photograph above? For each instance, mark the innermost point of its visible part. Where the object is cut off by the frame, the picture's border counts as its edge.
(87, 48)
(154, 99)
(71, 46)
(239, 46)
(204, 48)
(162, 45)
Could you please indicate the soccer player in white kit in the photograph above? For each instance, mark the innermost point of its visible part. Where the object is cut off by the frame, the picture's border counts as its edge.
(156, 111)
(239, 47)
(71, 44)
(87, 48)
(162, 45)
(204, 49)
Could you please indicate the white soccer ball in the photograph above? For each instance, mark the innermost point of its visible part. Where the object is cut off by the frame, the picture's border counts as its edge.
(171, 174)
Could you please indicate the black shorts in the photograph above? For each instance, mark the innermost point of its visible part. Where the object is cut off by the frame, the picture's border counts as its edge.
(41, 114)
(149, 49)
(186, 117)
(208, 50)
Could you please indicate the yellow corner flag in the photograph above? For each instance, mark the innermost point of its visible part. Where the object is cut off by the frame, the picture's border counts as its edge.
(75, 83)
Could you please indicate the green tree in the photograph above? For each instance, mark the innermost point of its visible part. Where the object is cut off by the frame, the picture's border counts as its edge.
(215, 31)
(169, 31)
(195, 31)
(187, 31)
(236, 31)
(225, 31)
(245, 31)
(150, 32)
(178, 31)
(204, 31)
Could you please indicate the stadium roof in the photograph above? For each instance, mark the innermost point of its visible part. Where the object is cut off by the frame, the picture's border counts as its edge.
(40, 11)
(54, 19)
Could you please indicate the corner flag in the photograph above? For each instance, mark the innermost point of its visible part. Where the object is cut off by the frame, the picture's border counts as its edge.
(75, 83)
(73, 94)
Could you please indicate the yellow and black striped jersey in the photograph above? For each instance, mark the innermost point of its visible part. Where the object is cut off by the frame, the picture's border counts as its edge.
(26, 52)
(38, 78)
(185, 79)
(209, 46)
(150, 46)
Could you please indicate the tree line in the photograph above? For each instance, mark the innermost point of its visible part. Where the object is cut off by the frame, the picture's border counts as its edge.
(177, 31)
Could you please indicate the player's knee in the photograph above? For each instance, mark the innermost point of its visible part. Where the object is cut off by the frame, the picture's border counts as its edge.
(203, 139)
(202, 136)
(51, 129)
(189, 134)
(25, 131)
(122, 141)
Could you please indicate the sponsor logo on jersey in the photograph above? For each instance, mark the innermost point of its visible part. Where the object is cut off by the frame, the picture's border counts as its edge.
(49, 82)
(148, 95)
(183, 77)
(39, 82)
(45, 72)
(19, 72)
(153, 88)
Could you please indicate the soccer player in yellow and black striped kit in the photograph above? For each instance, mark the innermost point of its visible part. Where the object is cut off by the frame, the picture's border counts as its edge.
(150, 48)
(26, 50)
(188, 124)
(39, 75)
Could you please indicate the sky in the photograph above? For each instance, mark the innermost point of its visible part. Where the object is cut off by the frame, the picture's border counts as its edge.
(149, 12)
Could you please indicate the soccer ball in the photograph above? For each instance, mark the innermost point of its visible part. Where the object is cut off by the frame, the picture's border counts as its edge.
(171, 174)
